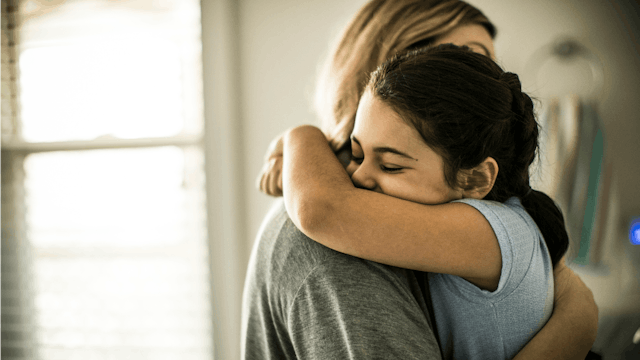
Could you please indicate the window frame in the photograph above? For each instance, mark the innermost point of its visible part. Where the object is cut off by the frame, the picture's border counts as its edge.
(222, 148)
(226, 209)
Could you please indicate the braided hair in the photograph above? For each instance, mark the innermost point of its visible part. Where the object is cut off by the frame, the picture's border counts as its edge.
(466, 108)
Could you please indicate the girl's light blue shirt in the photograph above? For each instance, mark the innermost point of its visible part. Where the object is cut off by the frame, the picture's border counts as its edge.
(472, 323)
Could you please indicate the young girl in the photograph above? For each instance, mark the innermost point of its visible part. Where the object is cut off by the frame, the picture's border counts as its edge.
(450, 131)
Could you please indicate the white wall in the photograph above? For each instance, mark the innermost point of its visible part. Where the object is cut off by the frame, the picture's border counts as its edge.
(281, 43)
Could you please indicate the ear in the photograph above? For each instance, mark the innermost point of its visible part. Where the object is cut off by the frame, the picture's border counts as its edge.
(479, 181)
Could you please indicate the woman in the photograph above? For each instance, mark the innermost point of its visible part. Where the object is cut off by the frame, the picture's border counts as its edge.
(379, 30)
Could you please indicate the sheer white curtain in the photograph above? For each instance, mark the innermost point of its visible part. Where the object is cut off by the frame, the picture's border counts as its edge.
(104, 226)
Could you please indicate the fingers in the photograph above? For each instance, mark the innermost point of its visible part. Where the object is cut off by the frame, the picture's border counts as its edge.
(270, 179)
(279, 177)
(274, 182)
(275, 148)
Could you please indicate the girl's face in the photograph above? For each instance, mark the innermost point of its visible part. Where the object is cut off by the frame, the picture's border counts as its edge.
(390, 157)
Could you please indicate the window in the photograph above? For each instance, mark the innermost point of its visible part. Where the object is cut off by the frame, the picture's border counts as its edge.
(104, 228)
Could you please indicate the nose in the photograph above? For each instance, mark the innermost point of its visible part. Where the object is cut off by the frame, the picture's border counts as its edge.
(361, 177)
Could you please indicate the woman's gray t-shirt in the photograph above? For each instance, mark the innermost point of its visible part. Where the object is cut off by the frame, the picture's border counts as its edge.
(305, 301)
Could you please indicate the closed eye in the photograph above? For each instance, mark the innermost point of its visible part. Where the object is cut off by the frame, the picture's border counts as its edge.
(357, 160)
(390, 169)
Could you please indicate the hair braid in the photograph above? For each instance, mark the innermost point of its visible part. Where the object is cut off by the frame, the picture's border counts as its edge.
(541, 207)
(525, 133)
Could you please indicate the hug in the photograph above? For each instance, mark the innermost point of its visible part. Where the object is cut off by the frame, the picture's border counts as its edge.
(409, 228)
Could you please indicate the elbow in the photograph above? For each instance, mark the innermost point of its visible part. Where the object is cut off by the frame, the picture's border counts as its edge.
(313, 215)
(310, 213)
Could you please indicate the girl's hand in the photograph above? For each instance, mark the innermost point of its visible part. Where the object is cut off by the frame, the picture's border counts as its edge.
(270, 179)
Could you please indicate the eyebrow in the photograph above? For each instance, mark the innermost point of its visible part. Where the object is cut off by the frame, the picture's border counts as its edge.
(486, 51)
(385, 149)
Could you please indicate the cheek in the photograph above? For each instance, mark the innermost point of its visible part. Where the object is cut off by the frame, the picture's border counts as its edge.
(398, 187)
(420, 190)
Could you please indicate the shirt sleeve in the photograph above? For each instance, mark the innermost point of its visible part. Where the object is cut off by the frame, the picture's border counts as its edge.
(357, 309)
(517, 237)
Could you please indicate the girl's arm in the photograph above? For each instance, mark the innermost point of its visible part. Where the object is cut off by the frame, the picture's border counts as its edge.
(321, 200)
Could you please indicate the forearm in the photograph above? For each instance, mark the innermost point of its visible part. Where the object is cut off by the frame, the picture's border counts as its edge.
(571, 330)
(312, 177)
(324, 204)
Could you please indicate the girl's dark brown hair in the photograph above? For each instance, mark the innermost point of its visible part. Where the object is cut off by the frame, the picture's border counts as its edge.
(467, 108)
(379, 30)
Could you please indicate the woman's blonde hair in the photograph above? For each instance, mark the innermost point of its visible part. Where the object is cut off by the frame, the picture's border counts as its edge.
(378, 31)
